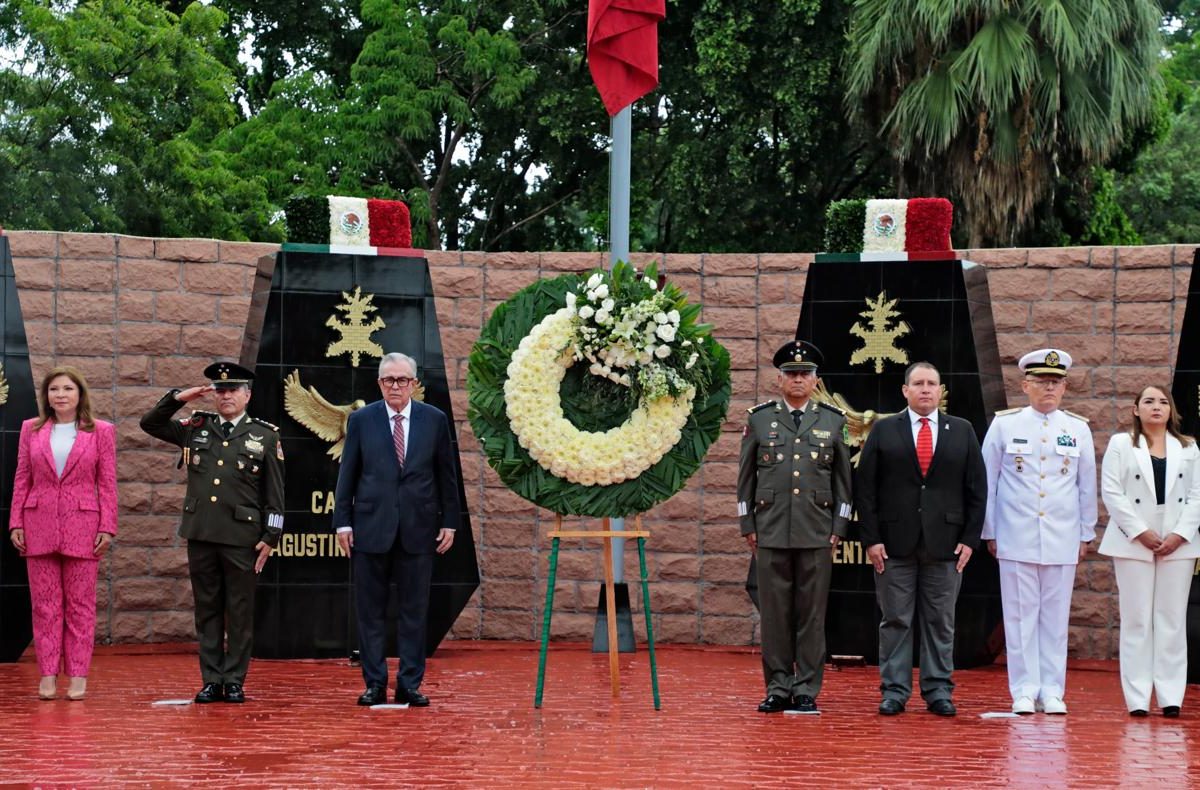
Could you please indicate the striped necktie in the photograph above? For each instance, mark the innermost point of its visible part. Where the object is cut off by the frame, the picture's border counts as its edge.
(398, 438)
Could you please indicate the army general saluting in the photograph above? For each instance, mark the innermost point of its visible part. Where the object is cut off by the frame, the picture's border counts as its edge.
(232, 516)
(794, 503)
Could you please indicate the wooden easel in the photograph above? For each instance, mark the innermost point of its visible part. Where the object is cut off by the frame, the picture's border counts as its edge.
(607, 534)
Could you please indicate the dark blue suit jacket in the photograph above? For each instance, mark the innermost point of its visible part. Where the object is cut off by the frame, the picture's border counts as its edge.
(378, 501)
(900, 509)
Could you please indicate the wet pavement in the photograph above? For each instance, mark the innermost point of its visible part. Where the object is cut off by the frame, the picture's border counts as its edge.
(301, 728)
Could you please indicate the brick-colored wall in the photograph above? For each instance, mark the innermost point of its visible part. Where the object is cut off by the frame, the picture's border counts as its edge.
(139, 316)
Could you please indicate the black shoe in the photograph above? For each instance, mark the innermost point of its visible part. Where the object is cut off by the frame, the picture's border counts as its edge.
(942, 707)
(412, 697)
(212, 692)
(234, 693)
(1171, 711)
(774, 704)
(804, 704)
(891, 707)
(374, 695)
(1141, 714)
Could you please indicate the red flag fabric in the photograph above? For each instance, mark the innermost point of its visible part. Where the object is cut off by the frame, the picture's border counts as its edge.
(622, 49)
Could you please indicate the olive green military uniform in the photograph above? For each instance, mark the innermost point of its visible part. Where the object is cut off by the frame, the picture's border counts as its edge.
(234, 499)
(794, 494)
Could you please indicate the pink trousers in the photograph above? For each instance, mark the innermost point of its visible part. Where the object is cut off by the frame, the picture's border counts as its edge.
(63, 592)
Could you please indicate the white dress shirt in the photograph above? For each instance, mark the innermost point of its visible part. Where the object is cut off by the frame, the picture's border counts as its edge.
(406, 413)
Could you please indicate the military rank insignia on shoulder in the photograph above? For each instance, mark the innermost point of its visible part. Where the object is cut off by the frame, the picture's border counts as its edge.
(264, 422)
(760, 406)
(831, 407)
(1076, 416)
(1006, 412)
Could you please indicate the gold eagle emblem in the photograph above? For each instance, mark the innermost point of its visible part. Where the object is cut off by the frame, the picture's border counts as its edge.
(860, 423)
(327, 420)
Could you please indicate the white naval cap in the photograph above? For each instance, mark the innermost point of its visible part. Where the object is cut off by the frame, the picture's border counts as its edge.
(1045, 361)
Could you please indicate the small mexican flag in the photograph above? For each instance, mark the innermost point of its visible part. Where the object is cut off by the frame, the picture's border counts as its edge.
(889, 226)
(348, 222)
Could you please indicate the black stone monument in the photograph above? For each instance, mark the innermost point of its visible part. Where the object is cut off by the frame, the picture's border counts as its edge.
(1185, 389)
(18, 402)
(871, 319)
(328, 318)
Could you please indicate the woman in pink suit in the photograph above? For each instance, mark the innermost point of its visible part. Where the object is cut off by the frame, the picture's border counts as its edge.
(63, 516)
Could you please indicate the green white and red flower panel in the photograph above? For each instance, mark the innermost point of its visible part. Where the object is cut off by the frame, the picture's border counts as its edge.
(368, 222)
(913, 225)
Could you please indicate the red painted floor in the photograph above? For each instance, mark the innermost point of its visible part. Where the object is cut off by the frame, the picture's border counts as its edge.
(302, 728)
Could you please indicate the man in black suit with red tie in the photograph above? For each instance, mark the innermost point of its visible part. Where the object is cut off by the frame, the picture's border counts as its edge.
(921, 494)
(396, 504)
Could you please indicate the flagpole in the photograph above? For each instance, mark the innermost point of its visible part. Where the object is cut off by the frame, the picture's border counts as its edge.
(618, 226)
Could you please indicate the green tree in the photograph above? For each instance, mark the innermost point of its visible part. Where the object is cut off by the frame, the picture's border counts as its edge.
(1162, 194)
(988, 101)
(109, 110)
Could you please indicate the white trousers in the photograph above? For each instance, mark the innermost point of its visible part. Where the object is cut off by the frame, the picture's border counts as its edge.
(1154, 600)
(1037, 609)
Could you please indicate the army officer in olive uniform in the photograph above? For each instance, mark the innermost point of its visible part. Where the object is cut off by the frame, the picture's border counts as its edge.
(794, 503)
(232, 516)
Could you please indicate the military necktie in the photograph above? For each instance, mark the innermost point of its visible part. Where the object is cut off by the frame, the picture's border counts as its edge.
(796, 415)
(226, 427)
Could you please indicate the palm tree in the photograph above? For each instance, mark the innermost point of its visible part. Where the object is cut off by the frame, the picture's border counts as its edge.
(988, 101)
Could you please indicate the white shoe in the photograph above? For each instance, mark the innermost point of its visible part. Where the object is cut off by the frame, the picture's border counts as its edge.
(1023, 705)
(1054, 706)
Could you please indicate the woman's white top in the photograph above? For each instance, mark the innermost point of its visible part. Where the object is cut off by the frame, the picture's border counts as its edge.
(62, 439)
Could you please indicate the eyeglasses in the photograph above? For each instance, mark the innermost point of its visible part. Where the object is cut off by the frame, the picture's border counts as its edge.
(396, 381)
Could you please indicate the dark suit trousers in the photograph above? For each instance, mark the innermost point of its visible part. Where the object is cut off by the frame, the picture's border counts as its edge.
(793, 590)
(930, 588)
(223, 583)
(373, 577)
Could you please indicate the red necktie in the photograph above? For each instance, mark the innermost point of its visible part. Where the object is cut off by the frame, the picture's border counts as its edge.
(398, 439)
(925, 446)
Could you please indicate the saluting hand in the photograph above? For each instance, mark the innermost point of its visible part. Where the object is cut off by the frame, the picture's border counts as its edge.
(191, 393)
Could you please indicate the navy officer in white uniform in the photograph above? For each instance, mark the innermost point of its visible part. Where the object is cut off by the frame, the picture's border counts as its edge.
(1041, 516)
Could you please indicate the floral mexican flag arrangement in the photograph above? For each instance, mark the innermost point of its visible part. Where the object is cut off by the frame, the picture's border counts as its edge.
(348, 221)
(894, 225)
(597, 394)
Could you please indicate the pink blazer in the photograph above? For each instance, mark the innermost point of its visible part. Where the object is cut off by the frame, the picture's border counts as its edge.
(63, 515)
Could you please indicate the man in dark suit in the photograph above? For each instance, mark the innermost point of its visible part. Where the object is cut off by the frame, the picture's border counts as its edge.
(396, 504)
(921, 495)
(232, 517)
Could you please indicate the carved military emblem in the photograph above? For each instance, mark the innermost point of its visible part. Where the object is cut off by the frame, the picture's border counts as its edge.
(356, 331)
(3, 387)
(327, 420)
(879, 339)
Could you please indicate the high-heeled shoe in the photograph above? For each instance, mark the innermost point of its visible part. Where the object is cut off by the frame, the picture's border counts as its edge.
(48, 688)
(78, 689)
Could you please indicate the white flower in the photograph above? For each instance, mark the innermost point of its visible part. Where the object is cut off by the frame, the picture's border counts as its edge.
(666, 332)
(608, 304)
(595, 280)
(662, 352)
(571, 300)
(660, 318)
(673, 316)
(586, 312)
(691, 361)
(602, 317)
(602, 291)
(653, 284)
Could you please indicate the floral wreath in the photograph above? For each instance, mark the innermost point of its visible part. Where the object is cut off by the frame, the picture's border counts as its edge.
(597, 394)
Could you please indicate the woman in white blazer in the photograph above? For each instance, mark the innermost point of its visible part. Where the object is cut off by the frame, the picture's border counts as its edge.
(1150, 483)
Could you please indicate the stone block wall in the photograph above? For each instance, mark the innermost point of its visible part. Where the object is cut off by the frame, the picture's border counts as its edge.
(139, 316)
